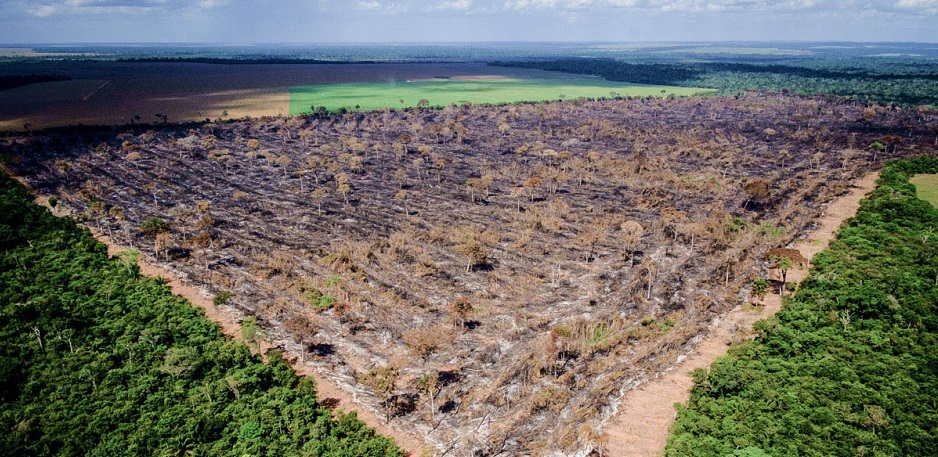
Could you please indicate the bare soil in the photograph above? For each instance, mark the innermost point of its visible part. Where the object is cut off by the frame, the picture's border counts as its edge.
(113, 93)
(642, 424)
(229, 319)
(538, 260)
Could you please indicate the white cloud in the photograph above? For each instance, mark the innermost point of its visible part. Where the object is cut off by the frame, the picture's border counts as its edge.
(44, 10)
(375, 6)
(209, 4)
(368, 6)
(917, 4)
(73, 7)
(924, 6)
(457, 5)
(718, 5)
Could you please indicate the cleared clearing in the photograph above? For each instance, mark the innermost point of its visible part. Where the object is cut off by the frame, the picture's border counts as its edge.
(136, 91)
(478, 90)
(926, 188)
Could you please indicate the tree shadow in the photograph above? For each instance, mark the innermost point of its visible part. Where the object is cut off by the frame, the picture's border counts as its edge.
(321, 349)
(449, 406)
(330, 403)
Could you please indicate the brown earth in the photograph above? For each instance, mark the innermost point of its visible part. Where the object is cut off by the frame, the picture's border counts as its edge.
(229, 319)
(566, 313)
(113, 93)
(643, 422)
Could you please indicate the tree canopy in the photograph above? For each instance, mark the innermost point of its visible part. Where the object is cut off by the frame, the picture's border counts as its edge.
(849, 366)
(99, 361)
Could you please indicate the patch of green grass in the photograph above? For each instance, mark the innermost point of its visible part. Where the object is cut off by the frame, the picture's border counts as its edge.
(926, 187)
(443, 92)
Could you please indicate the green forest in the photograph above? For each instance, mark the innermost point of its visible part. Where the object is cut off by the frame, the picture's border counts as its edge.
(881, 80)
(99, 361)
(849, 366)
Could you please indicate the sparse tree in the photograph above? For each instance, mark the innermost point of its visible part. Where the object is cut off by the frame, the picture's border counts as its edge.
(343, 186)
(587, 240)
(400, 177)
(283, 161)
(382, 381)
(161, 244)
(151, 189)
(402, 195)
(423, 342)
(222, 157)
(429, 385)
(757, 189)
(474, 253)
(439, 165)
(517, 193)
(318, 196)
(460, 309)
(251, 332)
(784, 259)
(532, 184)
(631, 233)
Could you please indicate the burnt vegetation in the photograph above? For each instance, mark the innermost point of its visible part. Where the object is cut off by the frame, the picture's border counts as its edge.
(493, 277)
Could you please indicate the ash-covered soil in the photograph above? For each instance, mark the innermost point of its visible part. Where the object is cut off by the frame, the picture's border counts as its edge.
(494, 278)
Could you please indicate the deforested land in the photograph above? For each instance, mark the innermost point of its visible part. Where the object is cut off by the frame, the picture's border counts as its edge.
(493, 277)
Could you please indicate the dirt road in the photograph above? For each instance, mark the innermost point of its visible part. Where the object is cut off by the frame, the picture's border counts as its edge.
(229, 320)
(643, 422)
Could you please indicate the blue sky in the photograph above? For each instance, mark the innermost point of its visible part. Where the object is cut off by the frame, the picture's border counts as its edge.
(322, 21)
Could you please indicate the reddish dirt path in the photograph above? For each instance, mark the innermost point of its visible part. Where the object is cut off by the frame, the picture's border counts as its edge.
(643, 421)
(229, 320)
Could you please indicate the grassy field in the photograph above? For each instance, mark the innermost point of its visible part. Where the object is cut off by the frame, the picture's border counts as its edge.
(442, 92)
(191, 92)
(926, 188)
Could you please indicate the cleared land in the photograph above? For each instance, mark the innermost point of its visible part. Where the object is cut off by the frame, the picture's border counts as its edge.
(643, 423)
(530, 263)
(136, 91)
(926, 187)
(441, 92)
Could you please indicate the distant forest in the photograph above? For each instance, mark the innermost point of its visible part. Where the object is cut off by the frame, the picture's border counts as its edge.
(238, 61)
(883, 81)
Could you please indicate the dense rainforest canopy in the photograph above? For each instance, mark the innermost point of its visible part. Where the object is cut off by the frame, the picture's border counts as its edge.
(849, 366)
(881, 80)
(100, 361)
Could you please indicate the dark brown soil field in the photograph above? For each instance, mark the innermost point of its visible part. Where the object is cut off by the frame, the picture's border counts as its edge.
(494, 279)
(113, 93)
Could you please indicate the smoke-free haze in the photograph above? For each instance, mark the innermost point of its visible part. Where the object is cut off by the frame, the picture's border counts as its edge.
(401, 21)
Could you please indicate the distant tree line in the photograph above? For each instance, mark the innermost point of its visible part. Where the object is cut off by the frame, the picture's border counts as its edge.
(614, 70)
(881, 81)
(238, 61)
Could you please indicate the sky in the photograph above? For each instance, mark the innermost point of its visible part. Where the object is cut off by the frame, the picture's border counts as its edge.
(438, 21)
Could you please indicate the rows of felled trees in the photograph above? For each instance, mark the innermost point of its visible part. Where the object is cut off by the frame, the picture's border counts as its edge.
(508, 271)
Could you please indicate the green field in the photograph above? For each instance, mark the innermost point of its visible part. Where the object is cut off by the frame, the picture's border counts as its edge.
(926, 188)
(442, 92)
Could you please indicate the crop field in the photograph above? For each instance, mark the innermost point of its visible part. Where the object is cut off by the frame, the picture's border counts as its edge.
(121, 93)
(492, 90)
(926, 188)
